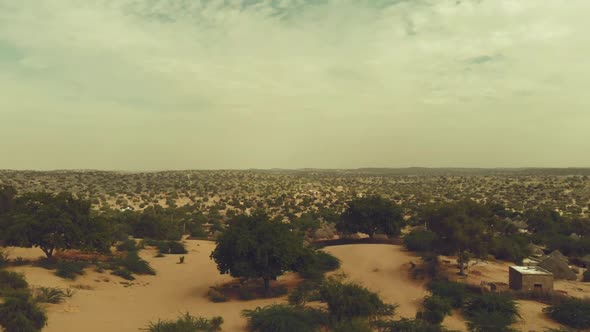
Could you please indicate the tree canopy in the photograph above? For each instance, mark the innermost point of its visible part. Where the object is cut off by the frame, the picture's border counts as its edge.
(256, 247)
(461, 228)
(52, 222)
(371, 215)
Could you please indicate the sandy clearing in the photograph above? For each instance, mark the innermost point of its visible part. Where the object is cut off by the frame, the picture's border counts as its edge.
(178, 288)
(383, 269)
(111, 306)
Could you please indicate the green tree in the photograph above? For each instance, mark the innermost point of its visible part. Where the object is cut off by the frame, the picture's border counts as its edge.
(54, 222)
(347, 301)
(491, 312)
(256, 247)
(461, 229)
(370, 215)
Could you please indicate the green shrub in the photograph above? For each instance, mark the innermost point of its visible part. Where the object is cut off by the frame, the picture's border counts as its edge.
(284, 318)
(135, 264)
(216, 296)
(354, 325)
(53, 295)
(435, 309)
(491, 312)
(573, 313)
(12, 280)
(456, 293)
(123, 273)
(19, 261)
(586, 276)
(312, 264)
(19, 313)
(47, 263)
(303, 293)
(70, 269)
(127, 245)
(174, 248)
(350, 300)
(186, 323)
(511, 248)
(408, 325)
(420, 240)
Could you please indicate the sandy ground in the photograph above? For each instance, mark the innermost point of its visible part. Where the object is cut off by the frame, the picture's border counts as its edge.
(110, 306)
(384, 269)
(108, 303)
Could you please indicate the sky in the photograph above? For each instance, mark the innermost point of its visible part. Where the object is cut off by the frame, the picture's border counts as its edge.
(189, 84)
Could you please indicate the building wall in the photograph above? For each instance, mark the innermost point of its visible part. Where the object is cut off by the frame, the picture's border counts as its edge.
(529, 281)
(514, 279)
(526, 282)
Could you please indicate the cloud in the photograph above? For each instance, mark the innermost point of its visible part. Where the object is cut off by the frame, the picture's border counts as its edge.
(284, 66)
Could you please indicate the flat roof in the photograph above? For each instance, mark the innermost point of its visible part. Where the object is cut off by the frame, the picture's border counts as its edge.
(531, 270)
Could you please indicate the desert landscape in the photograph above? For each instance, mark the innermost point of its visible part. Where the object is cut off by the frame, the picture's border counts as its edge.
(162, 256)
(294, 166)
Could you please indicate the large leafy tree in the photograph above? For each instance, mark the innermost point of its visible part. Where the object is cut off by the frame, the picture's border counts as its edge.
(53, 222)
(256, 247)
(461, 228)
(371, 215)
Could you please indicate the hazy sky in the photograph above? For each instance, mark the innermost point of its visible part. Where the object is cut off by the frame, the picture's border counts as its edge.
(188, 84)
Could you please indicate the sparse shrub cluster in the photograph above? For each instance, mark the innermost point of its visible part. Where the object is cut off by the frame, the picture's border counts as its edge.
(435, 309)
(20, 313)
(70, 269)
(284, 318)
(186, 323)
(350, 307)
(347, 300)
(10, 281)
(491, 312)
(171, 247)
(52, 295)
(454, 292)
(312, 264)
(408, 325)
(123, 273)
(135, 264)
(486, 312)
(574, 313)
(217, 296)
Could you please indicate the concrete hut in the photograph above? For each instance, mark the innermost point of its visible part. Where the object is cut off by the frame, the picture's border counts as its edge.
(530, 278)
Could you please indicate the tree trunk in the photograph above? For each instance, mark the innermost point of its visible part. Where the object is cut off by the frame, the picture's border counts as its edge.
(463, 259)
(48, 252)
(266, 284)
